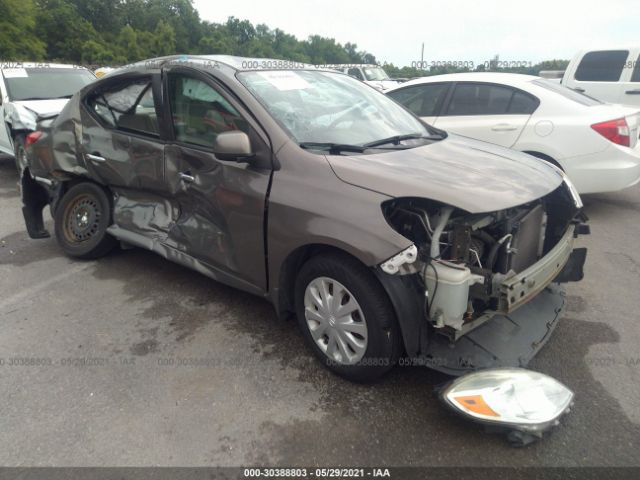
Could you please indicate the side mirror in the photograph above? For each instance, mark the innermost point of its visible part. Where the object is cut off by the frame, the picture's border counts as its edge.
(233, 145)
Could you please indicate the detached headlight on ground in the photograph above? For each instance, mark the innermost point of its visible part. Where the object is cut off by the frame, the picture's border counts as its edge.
(522, 402)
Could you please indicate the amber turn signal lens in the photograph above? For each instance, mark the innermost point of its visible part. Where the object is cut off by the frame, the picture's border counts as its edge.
(476, 404)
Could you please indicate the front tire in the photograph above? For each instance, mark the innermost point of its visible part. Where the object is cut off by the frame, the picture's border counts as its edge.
(81, 221)
(346, 317)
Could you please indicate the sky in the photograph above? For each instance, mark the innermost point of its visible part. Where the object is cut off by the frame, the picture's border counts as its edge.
(452, 30)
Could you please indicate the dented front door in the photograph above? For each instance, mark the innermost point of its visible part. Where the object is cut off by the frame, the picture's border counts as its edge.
(221, 203)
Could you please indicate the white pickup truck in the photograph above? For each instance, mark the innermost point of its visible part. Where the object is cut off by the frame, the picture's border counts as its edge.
(373, 75)
(610, 75)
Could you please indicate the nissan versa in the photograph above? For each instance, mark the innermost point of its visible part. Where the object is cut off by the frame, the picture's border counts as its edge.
(385, 237)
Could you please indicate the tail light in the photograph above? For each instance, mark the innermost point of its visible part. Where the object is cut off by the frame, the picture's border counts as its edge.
(616, 131)
(32, 138)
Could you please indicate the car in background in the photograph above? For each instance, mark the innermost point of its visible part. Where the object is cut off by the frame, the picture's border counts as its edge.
(596, 144)
(308, 188)
(102, 71)
(552, 75)
(373, 75)
(610, 75)
(30, 92)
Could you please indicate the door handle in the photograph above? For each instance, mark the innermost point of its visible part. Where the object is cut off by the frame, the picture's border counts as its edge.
(187, 177)
(95, 158)
(504, 127)
(579, 90)
(633, 92)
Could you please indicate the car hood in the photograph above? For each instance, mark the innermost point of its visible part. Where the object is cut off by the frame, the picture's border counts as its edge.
(23, 114)
(44, 107)
(468, 174)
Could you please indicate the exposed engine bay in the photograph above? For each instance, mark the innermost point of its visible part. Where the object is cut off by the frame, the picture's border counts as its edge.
(474, 266)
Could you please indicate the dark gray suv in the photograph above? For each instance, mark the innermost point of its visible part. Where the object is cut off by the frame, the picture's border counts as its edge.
(386, 238)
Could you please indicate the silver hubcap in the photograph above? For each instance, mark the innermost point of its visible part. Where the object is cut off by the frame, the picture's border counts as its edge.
(335, 320)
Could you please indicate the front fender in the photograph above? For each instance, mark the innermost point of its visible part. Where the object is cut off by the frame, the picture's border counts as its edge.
(19, 117)
(407, 299)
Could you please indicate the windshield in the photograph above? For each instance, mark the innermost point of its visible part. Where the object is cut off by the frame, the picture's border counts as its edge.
(567, 92)
(325, 107)
(45, 83)
(375, 73)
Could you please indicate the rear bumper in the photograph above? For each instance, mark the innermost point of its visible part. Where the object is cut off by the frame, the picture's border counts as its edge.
(613, 169)
(36, 194)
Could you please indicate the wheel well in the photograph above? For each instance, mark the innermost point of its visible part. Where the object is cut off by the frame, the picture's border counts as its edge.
(401, 290)
(546, 158)
(290, 268)
(70, 182)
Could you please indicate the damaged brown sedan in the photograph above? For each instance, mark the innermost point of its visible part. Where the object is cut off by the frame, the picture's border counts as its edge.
(385, 237)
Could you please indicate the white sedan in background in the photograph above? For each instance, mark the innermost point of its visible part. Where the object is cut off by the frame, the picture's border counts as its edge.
(595, 143)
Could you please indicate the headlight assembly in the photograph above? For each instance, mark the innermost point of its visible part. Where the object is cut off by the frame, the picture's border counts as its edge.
(523, 402)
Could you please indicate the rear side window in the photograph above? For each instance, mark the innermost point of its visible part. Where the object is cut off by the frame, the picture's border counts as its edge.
(423, 100)
(489, 99)
(199, 112)
(129, 107)
(635, 77)
(602, 66)
(522, 104)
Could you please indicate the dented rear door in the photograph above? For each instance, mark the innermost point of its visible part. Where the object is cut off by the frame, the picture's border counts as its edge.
(121, 141)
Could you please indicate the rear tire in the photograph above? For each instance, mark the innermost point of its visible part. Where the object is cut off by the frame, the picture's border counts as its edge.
(81, 221)
(346, 317)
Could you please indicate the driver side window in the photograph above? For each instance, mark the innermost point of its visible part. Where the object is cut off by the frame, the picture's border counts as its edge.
(356, 73)
(199, 112)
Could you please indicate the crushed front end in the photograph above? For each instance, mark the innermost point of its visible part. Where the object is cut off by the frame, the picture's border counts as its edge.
(486, 286)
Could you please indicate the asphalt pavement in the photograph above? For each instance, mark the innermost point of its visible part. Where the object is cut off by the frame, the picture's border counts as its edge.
(132, 360)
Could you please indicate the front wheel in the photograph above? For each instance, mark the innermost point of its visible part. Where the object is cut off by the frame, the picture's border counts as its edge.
(346, 317)
(81, 220)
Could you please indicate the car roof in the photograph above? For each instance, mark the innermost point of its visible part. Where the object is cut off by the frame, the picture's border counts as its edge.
(599, 48)
(44, 65)
(513, 79)
(230, 61)
(354, 65)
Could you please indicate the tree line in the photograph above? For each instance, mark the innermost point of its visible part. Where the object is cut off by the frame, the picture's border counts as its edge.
(116, 32)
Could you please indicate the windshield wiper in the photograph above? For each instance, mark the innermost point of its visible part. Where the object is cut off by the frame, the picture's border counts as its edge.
(336, 148)
(396, 139)
(333, 148)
